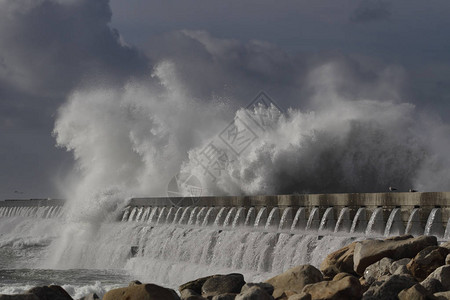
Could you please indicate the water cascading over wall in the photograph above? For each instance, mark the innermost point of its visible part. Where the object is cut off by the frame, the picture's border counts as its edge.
(177, 239)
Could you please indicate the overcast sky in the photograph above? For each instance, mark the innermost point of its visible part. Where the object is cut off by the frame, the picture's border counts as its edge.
(51, 48)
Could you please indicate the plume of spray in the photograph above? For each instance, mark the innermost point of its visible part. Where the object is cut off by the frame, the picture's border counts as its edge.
(126, 142)
(131, 141)
(344, 145)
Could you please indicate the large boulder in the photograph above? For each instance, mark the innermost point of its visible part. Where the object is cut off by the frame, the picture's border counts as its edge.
(264, 285)
(294, 279)
(426, 261)
(195, 285)
(141, 292)
(442, 276)
(370, 251)
(378, 269)
(254, 293)
(51, 292)
(339, 261)
(389, 287)
(345, 288)
(416, 292)
(223, 284)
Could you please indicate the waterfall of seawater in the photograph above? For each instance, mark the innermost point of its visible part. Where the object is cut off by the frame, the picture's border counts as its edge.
(169, 245)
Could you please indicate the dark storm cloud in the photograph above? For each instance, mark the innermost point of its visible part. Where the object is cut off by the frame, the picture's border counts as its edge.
(370, 11)
(220, 49)
(47, 48)
(211, 67)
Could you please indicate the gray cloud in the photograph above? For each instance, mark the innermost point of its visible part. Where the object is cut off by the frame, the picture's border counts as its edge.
(47, 48)
(370, 11)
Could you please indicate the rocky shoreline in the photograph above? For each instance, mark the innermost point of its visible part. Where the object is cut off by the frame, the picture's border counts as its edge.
(401, 267)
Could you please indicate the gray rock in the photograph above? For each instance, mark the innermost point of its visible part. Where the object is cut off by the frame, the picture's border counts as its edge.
(348, 288)
(339, 261)
(294, 279)
(223, 284)
(254, 293)
(398, 263)
(447, 259)
(370, 251)
(426, 261)
(441, 274)
(264, 285)
(389, 287)
(378, 269)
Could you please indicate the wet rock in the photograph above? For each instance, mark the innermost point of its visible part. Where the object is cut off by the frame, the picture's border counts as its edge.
(141, 292)
(426, 261)
(442, 275)
(345, 288)
(51, 292)
(223, 284)
(442, 295)
(378, 269)
(339, 261)
(370, 251)
(388, 288)
(294, 279)
(264, 285)
(416, 292)
(195, 285)
(254, 293)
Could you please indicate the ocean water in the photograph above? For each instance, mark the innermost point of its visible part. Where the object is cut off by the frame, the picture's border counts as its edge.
(24, 250)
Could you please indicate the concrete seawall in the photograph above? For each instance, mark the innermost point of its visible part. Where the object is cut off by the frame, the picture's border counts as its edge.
(406, 202)
(422, 204)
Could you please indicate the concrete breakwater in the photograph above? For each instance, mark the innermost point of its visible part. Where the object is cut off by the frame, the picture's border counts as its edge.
(371, 213)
